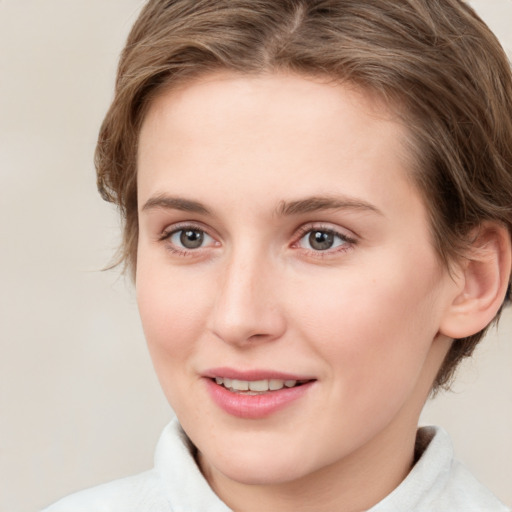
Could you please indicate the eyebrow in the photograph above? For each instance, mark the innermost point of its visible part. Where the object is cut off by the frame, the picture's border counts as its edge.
(174, 203)
(319, 203)
(285, 208)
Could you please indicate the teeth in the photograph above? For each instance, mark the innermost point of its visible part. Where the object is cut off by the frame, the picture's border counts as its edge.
(259, 386)
(275, 384)
(240, 385)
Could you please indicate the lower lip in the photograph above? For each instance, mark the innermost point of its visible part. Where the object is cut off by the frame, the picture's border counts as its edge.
(255, 406)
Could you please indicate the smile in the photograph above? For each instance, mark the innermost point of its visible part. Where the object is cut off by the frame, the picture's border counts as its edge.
(256, 387)
(255, 394)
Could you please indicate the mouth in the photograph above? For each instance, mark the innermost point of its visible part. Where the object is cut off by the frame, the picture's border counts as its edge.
(256, 394)
(257, 387)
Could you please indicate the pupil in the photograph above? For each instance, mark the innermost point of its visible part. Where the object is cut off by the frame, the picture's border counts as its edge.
(191, 239)
(321, 240)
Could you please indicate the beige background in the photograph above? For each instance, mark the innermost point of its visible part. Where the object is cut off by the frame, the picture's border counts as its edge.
(78, 400)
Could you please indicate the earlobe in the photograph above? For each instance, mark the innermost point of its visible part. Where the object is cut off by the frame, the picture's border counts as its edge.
(483, 278)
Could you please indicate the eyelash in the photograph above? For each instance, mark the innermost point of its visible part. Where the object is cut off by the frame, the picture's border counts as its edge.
(346, 244)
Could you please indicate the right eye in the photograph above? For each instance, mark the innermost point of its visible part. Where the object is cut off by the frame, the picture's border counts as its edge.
(187, 238)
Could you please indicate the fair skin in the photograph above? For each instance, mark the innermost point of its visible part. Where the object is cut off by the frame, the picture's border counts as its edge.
(281, 239)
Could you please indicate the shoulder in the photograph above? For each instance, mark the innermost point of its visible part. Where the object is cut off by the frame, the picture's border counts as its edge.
(139, 493)
(439, 482)
(455, 487)
(462, 491)
(175, 484)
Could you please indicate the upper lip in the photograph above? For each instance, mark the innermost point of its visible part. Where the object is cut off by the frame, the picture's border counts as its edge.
(253, 375)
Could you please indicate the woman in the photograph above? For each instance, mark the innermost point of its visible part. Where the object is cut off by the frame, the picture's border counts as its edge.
(317, 214)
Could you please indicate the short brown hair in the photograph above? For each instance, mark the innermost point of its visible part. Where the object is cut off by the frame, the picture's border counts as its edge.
(434, 61)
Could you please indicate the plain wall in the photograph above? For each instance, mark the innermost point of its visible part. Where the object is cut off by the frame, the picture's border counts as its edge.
(79, 403)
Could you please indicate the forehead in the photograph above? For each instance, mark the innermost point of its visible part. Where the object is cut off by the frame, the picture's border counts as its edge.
(253, 132)
(227, 98)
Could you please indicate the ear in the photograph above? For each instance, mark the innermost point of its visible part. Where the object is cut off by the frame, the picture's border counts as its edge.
(482, 280)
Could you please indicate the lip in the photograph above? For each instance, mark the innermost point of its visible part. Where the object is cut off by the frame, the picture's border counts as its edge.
(232, 373)
(258, 406)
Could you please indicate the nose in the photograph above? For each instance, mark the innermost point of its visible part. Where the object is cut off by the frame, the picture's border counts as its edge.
(247, 308)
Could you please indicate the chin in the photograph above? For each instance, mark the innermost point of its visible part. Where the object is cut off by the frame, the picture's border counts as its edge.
(270, 473)
(257, 466)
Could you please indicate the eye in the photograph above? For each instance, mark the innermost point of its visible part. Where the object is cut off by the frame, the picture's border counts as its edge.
(323, 240)
(189, 238)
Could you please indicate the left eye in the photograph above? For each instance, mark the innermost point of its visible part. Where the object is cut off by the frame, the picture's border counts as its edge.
(322, 240)
(190, 238)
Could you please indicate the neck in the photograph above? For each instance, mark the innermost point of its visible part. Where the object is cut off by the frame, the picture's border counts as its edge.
(354, 484)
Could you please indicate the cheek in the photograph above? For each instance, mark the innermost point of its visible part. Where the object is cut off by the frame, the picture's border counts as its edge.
(165, 310)
(375, 328)
(172, 307)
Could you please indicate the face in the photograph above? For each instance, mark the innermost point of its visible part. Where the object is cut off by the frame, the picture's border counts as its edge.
(288, 287)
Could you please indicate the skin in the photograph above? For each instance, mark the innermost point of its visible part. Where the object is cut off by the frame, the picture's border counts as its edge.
(364, 317)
